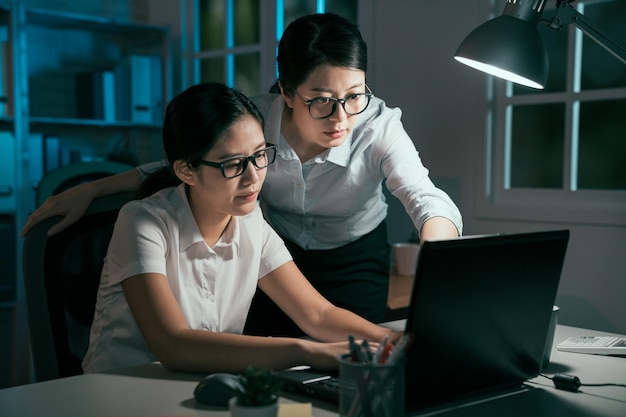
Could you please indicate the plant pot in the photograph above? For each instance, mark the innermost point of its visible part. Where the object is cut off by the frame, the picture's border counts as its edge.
(236, 410)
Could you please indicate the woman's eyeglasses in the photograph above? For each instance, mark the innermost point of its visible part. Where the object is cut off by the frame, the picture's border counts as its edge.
(323, 107)
(235, 167)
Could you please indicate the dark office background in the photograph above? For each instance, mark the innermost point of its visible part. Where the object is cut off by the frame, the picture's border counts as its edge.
(445, 109)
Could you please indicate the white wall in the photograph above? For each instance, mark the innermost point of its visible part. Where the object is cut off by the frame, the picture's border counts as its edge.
(444, 105)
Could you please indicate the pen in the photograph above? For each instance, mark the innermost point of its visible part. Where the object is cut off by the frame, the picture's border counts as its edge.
(384, 356)
(367, 353)
(355, 351)
(400, 349)
(381, 349)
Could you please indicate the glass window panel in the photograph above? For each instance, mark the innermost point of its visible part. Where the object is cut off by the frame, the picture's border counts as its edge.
(246, 22)
(556, 43)
(602, 145)
(212, 70)
(345, 8)
(537, 145)
(212, 18)
(246, 74)
(600, 69)
(296, 8)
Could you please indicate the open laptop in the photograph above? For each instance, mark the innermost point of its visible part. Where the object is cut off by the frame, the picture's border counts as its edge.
(479, 314)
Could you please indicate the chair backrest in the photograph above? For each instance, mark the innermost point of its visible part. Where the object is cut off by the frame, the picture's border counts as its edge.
(67, 176)
(61, 278)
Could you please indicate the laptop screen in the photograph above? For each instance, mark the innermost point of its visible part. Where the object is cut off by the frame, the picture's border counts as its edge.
(479, 313)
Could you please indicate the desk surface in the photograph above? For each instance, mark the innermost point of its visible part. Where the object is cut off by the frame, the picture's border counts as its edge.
(400, 287)
(151, 391)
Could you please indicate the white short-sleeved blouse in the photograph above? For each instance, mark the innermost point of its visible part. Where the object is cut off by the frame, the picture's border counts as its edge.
(214, 286)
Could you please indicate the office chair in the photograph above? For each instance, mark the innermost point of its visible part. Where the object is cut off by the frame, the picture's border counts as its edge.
(61, 278)
(67, 176)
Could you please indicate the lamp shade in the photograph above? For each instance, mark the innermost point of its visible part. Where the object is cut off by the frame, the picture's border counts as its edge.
(509, 48)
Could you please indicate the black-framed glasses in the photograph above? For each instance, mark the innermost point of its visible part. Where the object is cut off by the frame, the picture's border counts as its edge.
(323, 107)
(235, 167)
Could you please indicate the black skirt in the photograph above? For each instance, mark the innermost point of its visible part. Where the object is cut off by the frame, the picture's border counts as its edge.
(354, 276)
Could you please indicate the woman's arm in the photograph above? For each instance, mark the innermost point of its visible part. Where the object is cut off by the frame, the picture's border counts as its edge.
(71, 204)
(178, 347)
(438, 228)
(314, 314)
(408, 180)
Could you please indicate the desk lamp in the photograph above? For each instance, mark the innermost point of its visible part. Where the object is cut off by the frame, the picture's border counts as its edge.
(511, 47)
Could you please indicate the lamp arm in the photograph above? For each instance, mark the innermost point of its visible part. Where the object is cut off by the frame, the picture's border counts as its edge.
(567, 14)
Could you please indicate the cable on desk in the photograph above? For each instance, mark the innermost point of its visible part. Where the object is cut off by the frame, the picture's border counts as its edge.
(572, 383)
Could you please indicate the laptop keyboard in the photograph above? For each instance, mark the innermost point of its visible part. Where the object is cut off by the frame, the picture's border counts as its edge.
(326, 390)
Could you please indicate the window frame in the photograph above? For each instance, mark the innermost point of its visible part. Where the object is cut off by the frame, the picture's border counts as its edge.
(565, 205)
(266, 47)
(271, 28)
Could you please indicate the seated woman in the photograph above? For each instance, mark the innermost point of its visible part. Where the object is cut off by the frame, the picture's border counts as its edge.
(184, 262)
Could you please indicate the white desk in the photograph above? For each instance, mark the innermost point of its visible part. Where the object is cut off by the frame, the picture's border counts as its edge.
(150, 391)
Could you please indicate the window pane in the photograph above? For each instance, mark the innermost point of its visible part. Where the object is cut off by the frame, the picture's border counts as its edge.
(600, 69)
(345, 8)
(212, 70)
(246, 22)
(212, 24)
(556, 43)
(247, 74)
(297, 8)
(537, 145)
(602, 145)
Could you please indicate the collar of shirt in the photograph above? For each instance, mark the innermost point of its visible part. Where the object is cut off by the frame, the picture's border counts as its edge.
(188, 228)
(340, 155)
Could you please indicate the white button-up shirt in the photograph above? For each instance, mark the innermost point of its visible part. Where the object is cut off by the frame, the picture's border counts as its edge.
(214, 286)
(337, 197)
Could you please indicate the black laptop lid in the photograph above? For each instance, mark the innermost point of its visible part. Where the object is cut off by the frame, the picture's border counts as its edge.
(480, 311)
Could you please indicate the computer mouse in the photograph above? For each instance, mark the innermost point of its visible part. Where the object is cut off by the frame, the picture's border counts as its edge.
(217, 389)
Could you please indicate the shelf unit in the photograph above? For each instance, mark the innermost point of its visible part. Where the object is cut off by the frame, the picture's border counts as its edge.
(43, 51)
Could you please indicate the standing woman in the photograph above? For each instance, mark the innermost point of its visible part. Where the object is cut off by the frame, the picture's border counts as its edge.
(337, 145)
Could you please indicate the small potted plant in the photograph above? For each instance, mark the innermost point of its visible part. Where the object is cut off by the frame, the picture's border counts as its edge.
(257, 395)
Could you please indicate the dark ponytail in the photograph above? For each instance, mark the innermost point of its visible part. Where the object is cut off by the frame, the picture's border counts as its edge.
(156, 181)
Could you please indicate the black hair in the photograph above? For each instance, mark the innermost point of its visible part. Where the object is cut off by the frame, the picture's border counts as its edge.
(195, 120)
(318, 39)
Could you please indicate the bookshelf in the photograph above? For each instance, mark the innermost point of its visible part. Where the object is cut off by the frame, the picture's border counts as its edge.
(63, 79)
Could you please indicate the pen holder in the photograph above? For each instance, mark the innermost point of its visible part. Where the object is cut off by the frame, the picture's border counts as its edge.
(370, 390)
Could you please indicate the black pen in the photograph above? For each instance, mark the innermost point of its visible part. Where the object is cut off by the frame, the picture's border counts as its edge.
(355, 355)
(367, 353)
